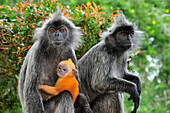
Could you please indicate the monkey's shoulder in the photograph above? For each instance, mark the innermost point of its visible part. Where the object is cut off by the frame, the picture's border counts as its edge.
(97, 53)
(67, 83)
(96, 49)
(32, 50)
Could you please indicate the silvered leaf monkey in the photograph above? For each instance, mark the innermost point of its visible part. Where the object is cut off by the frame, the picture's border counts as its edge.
(103, 69)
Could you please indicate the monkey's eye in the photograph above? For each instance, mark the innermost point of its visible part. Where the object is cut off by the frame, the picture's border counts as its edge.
(64, 69)
(131, 34)
(62, 30)
(123, 34)
(52, 30)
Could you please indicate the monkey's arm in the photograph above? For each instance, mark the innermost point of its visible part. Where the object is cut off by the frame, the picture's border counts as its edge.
(134, 79)
(116, 84)
(32, 101)
(127, 87)
(120, 85)
(49, 89)
(29, 95)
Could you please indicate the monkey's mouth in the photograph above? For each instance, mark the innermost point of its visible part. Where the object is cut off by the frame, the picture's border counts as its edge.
(127, 44)
(60, 75)
(57, 42)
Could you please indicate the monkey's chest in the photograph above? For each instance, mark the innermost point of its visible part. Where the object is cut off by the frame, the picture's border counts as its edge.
(49, 75)
(116, 71)
(49, 78)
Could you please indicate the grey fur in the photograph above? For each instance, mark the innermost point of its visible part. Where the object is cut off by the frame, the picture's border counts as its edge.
(103, 73)
(40, 65)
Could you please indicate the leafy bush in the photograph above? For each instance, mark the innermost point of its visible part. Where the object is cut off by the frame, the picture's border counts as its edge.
(18, 23)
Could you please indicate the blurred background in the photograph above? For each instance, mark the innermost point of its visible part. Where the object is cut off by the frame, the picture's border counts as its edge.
(151, 62)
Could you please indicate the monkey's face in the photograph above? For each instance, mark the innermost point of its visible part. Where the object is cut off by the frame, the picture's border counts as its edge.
(57, 35)
(123, 37)
(63, 70)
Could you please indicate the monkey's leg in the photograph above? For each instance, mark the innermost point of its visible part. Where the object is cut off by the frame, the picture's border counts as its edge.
(61, 103)
(48, 89)
(108, 103)
(82, 105)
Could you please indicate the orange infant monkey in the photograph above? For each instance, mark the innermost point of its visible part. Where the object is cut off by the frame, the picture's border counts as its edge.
(66, 81)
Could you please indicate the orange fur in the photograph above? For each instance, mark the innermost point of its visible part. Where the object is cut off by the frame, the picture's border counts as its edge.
(68, 83)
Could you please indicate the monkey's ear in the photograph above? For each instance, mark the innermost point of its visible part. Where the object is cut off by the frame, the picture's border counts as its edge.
(74, 71)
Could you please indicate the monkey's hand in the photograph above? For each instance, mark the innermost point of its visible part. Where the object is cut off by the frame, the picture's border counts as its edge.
(136, 99)
(134, 79)
(40, 86)
(138, 84)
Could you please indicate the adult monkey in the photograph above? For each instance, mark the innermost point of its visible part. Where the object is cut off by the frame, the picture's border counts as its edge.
(103, 69)
(56, 41)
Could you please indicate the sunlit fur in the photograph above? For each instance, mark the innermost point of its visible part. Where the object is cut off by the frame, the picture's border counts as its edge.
(103, 72)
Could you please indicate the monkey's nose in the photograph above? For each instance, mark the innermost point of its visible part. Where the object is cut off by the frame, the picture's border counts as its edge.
(56, 34)
(60, 71)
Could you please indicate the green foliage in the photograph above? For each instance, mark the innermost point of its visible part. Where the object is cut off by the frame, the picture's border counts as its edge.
(151, 62)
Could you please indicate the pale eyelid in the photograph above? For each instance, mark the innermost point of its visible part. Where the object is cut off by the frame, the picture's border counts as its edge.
(52, 30)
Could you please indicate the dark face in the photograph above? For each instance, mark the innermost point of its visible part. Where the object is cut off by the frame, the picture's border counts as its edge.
(63, 70)
(125, 39)
(57, 34)
(122, 39)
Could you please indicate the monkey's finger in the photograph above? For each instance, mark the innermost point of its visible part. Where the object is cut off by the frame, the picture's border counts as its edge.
(135, 108)
(133, 111)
